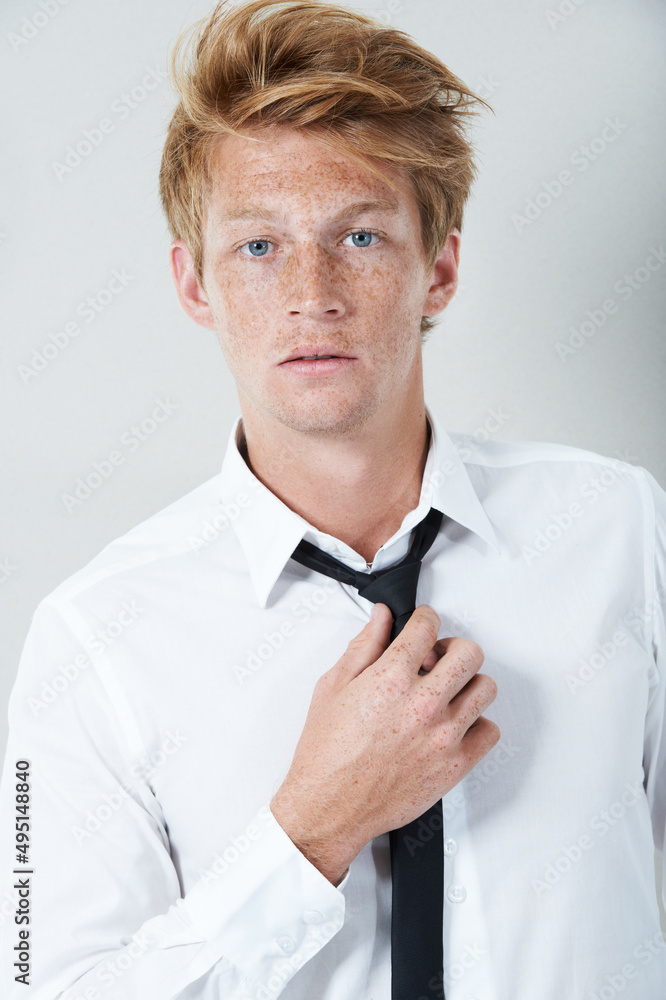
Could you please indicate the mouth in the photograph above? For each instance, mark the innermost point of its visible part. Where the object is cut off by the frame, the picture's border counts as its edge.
(319, 352)
(317, 360)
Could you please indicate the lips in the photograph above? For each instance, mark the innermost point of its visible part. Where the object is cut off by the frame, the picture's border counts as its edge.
(315, 352)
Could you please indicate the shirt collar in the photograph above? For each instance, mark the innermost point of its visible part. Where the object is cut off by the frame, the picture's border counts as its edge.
(269, 531)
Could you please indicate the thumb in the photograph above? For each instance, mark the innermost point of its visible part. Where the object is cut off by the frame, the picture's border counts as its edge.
(366, 647)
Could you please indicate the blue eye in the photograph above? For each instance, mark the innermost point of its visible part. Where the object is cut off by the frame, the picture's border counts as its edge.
(364, 236)
(260, 245)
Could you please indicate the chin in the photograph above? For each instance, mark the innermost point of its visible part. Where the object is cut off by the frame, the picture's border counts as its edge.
(333, 417)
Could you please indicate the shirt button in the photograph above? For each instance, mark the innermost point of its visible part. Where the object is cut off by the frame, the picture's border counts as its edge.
(456, 893)
(287, 944)
(450, 846)
(313, 917)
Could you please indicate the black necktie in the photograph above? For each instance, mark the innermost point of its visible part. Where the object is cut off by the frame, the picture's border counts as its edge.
(417, 856)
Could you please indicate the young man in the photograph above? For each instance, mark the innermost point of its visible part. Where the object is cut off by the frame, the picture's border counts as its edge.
(232, 738)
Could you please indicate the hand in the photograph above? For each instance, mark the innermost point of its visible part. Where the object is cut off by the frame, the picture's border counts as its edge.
(389, 731)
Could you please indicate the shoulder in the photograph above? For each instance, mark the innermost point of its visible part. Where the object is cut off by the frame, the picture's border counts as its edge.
(537, 481)
(513, 454)
(547, 463)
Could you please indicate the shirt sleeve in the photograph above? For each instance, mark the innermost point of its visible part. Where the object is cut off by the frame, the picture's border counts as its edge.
(101, 902)
(654, 757)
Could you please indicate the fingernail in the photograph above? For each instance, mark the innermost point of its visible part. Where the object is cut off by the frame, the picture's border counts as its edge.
(374, 612)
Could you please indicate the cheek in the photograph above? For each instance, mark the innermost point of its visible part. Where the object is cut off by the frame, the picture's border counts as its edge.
(393, 302)
(237, 304)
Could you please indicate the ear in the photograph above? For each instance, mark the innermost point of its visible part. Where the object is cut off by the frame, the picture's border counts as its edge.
(444, 276)
(191, 295)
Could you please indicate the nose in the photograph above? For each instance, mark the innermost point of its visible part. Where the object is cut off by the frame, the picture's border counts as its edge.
(314, 285)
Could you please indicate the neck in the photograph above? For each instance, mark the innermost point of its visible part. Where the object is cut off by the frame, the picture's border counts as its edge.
(357, 488)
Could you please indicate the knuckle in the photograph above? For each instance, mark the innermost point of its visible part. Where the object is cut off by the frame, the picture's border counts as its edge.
(325, 680)
(473, 652)
(492, 735)
(421, 632)
(432, 617)
(355, 644)
(429, 704)
(448, 738)
(425, 625)
(490, 687)
(495, 733)
(428, 616)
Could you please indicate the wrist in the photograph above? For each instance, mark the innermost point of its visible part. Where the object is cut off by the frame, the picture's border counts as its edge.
(326, 851)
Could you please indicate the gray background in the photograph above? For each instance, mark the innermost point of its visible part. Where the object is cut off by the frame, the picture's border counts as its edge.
(554, 71)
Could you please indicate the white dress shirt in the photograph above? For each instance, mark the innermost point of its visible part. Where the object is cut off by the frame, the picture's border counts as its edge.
(163, 687)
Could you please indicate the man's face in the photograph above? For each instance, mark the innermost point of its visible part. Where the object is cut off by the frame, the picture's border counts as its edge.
(307, 253)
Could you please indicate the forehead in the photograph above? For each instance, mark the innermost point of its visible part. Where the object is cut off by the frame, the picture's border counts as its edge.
(291, 171)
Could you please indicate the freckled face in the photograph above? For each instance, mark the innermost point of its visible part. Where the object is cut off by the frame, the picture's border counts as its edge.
(322, 258)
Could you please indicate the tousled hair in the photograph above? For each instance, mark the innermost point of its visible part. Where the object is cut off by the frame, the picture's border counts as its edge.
(361, 86)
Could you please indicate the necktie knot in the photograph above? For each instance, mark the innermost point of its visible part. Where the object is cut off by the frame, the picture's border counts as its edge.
(395, 586)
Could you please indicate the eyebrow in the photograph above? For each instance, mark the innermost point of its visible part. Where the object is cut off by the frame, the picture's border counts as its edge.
(355, 208)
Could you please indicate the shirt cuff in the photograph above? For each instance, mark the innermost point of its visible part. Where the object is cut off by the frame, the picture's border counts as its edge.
(266, 905)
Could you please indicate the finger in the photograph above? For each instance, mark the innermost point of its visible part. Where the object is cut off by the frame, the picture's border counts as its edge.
(480, 738)
(411, 647)
(430, 660)
(437, 652)
(461, 659)
(470, 703)
(366, 647)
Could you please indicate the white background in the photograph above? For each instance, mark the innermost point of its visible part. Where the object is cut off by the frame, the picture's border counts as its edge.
(554, 79)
